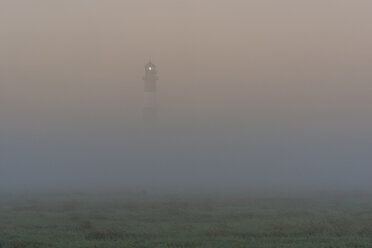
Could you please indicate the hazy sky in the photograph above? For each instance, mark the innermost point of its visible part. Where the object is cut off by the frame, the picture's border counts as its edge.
(251, 92)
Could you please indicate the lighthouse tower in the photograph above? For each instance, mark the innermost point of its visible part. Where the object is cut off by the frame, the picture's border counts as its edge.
(150, 78)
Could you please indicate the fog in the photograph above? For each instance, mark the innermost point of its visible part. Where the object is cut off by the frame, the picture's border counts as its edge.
(251, 94)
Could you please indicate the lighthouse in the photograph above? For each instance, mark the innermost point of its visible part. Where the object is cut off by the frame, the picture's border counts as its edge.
(150, 78)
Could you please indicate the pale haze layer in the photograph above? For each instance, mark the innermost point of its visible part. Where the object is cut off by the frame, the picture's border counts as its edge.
(261, 93)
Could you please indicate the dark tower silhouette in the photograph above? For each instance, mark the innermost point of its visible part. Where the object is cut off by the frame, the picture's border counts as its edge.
(150, 78)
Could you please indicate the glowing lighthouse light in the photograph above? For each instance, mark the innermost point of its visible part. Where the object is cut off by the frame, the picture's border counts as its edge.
(150, 68)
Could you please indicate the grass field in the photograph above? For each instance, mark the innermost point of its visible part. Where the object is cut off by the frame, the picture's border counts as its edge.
(138, 219)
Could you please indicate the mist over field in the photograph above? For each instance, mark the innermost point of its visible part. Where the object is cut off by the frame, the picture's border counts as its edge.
(251, 94)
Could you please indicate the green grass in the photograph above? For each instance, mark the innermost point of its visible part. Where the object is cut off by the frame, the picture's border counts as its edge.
(129, 220)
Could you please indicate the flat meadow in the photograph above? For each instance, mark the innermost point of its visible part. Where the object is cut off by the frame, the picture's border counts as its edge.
(136, 218)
